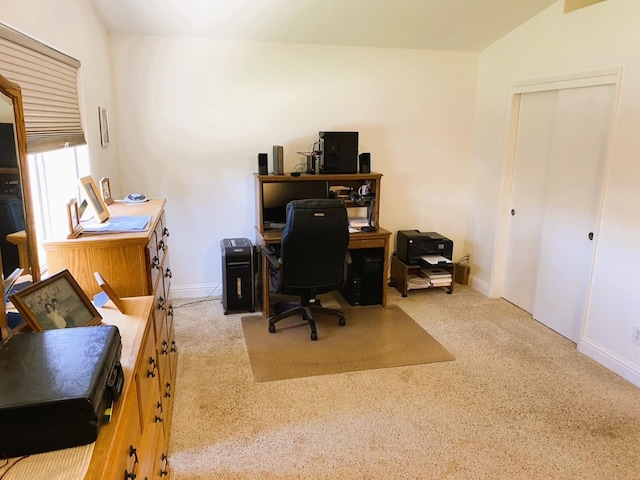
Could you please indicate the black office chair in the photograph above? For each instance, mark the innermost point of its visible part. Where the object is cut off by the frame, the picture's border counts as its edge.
(312, 258)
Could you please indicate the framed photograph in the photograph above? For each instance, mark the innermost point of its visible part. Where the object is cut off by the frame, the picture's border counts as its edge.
(94, 199)
(105, 190)
(73, 216)
(55, 302)
(103, 117)
(111, 293)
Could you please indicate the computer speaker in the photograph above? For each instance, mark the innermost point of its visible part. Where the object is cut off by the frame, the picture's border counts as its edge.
(278, 160)
(263, 166)
(365, 162)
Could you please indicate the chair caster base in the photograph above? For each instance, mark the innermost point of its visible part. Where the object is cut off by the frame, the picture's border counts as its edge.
(272, 328)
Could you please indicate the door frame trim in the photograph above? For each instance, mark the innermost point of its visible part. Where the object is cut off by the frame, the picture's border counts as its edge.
(609, 76)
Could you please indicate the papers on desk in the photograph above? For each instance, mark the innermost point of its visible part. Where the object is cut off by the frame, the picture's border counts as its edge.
(435, 259)
(121, 224)
(358, 222)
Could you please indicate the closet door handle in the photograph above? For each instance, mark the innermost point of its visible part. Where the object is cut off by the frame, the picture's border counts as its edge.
(513, 212)
(590, 235)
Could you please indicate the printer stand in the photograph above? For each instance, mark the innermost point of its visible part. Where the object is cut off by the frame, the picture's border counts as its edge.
(410, 277)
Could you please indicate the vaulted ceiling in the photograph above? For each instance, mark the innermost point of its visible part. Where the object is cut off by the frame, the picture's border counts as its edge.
(469, 25)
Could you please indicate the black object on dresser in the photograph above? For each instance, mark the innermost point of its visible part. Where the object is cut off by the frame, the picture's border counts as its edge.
(55, 387)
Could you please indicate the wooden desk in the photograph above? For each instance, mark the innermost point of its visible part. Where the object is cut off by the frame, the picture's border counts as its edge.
(379, 239)
(360, 240)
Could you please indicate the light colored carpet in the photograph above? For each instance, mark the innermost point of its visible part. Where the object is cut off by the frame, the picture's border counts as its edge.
(374, 337)
(519, 402)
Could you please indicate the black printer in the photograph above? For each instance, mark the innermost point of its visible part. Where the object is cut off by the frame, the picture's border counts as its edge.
(413, 244)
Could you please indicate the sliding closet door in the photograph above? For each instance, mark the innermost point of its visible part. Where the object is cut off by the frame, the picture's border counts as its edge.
(561, 147)
(533, 143)
(572, 202)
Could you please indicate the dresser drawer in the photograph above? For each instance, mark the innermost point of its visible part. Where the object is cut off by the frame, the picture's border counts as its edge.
(147, 375)
(127, 454)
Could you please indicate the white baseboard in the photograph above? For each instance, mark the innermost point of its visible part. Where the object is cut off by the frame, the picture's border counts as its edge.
(481, 287)
(610, 360)
(196, 291)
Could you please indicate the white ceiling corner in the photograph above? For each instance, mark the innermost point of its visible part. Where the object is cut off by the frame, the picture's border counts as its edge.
(467, 25)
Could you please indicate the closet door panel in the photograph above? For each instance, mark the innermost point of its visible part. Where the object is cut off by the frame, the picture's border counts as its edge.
(533, 144)
(572, 199)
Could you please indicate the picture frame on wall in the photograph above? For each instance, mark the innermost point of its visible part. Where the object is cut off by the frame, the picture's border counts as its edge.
(105, 190)
(103, 118)
(94, 198)
(55, 302)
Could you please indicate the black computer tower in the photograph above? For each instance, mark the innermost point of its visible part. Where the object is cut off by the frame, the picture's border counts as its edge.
(338, 152)
(368, 266)
(237, 274)
(352, 288)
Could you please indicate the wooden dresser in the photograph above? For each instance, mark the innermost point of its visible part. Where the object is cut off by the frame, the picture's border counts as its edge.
(133, 264)
(134, 444)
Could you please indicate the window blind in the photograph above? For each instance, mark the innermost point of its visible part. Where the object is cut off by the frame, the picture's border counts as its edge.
(49, 83)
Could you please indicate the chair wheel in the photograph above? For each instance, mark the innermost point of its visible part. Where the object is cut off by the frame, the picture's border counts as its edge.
(272, 328)
(342, 322)
(314, 336)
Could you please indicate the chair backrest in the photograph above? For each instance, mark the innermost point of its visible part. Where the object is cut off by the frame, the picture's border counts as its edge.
(314, 246)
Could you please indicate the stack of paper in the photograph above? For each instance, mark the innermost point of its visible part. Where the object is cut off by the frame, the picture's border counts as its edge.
(415, 281)
(122, 224)
(437, 277)
(435, 259)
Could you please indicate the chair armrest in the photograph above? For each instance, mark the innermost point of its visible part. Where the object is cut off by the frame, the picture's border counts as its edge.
(270, 254)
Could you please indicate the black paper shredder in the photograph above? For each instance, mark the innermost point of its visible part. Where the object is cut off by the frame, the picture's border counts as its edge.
(237, 274)
(55, 387)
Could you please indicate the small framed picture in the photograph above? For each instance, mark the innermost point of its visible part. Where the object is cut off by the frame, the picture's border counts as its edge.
(94, 199)
(111, 293)
(55, 302)
(105, 190)
(73, 216)
(103, 117)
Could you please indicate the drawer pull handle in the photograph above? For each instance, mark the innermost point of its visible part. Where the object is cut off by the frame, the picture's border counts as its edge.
(129, 476)
(133, 453)
(167, 390)
(158, 419)
(160, 303)
(161, 245)
(173, 346)
(170, 311)
(165, 232)
(167, 273)
(165, 348)
(152, 364)
(155, 263)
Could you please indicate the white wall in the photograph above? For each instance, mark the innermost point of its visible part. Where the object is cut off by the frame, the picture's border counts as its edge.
(73, 27)
(552, 44)
(193, 115)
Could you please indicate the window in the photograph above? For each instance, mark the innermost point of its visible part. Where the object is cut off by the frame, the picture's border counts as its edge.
(54, 181)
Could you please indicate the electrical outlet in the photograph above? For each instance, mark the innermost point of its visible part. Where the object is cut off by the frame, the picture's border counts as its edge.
(635, 338)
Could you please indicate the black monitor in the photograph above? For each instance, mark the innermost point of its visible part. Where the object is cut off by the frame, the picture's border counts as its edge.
(275, 197)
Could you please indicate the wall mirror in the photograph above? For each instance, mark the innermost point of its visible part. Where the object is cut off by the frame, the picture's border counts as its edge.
(18, 244)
